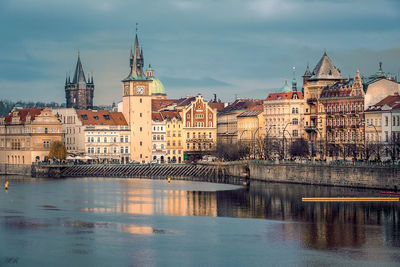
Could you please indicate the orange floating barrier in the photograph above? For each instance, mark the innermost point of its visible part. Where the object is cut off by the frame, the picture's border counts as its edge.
(349, 199)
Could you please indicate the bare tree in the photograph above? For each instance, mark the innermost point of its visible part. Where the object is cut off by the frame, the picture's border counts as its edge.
(299, 148)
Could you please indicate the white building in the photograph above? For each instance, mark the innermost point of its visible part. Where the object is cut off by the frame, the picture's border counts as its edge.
(106, 135)
(158, 138)
(73, 130)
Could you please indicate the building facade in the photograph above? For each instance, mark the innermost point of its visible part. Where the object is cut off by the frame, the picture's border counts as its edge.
(158, 136)
(73, 130)
(343, 104)
(79, 92)
(106, 136)
(227, 124)
(324, 74)
(199, 127)
(174, 136)
(27, 134)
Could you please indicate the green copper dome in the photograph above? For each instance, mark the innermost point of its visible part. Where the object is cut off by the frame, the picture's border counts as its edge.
(157, 88)
(286, 88)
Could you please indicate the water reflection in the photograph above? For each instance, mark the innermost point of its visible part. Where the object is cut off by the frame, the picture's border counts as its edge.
(92, 212)
(322, 226)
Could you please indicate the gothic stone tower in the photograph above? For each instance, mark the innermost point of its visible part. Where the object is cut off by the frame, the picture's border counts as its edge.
(136, 98)
(79, 93)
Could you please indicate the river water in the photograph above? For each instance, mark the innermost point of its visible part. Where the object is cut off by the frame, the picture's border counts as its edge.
(141, 222)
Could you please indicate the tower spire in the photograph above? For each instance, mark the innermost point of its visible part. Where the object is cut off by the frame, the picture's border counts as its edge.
(136, 59)
(294, 82)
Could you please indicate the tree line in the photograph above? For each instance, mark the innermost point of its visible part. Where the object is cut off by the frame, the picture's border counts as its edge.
(6, 105)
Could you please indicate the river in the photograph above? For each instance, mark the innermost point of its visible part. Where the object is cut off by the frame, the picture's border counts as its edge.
(143, 222)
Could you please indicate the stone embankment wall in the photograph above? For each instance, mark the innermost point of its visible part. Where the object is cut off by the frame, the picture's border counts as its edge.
(15, 169)
(352, 176)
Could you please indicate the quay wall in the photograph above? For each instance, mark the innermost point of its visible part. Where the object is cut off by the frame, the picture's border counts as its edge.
(15, 169)
(378, 177)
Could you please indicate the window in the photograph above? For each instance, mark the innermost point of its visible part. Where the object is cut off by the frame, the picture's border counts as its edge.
(88, 139)
(92, 139)
(105, 150)
(140, 143)
(297, 110)
(210, 135)
(105, 139)
(88, 150)
(293, 110)
(98, 139)
(96, 118)
(140, 100)
(121, 150)
(98, 150)
(187, 135)
(295, 121)
(386, 121)
(106, 117)
(140, 114)
(140, 129)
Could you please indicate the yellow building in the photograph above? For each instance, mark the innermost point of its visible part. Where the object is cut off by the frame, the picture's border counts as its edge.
(250, 124)
(26, 135)
(174, 136)
(199, 127)
(227, 124)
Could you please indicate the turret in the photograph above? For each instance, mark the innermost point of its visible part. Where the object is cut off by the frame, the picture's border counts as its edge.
(294, 82)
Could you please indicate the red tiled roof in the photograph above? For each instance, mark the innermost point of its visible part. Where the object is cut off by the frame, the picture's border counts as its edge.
(389, 100)
(23, 113)
(156, 116)
(170, 114)
(101, 117)
(284, 95)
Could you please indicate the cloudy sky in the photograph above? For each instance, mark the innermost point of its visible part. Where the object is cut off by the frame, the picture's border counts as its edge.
(226, 47)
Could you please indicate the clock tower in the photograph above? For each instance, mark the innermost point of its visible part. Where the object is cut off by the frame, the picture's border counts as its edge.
(136, 98)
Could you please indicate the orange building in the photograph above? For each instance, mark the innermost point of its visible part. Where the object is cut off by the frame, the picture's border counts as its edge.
(26, 135)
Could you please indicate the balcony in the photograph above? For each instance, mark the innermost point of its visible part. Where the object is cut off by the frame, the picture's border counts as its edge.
(310, 129)
(311, 101)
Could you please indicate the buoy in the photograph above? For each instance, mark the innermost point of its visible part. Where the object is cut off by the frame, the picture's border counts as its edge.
(6, 185)
(169, 179)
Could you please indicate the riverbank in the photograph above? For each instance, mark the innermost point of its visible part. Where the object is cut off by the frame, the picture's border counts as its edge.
(376, 177)
(359, 176)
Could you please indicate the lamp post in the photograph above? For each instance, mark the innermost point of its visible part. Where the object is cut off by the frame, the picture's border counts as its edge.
(283, 137)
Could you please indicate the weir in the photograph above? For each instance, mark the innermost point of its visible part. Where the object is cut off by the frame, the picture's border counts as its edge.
(125, 170)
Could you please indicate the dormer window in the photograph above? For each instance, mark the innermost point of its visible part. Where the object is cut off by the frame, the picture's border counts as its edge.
(96, 118)
(106, 117)
(84, 117)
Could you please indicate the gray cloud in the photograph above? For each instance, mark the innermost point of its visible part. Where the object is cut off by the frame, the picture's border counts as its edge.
(245, 46)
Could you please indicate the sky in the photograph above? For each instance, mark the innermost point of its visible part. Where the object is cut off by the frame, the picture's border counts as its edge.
(233, 48)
